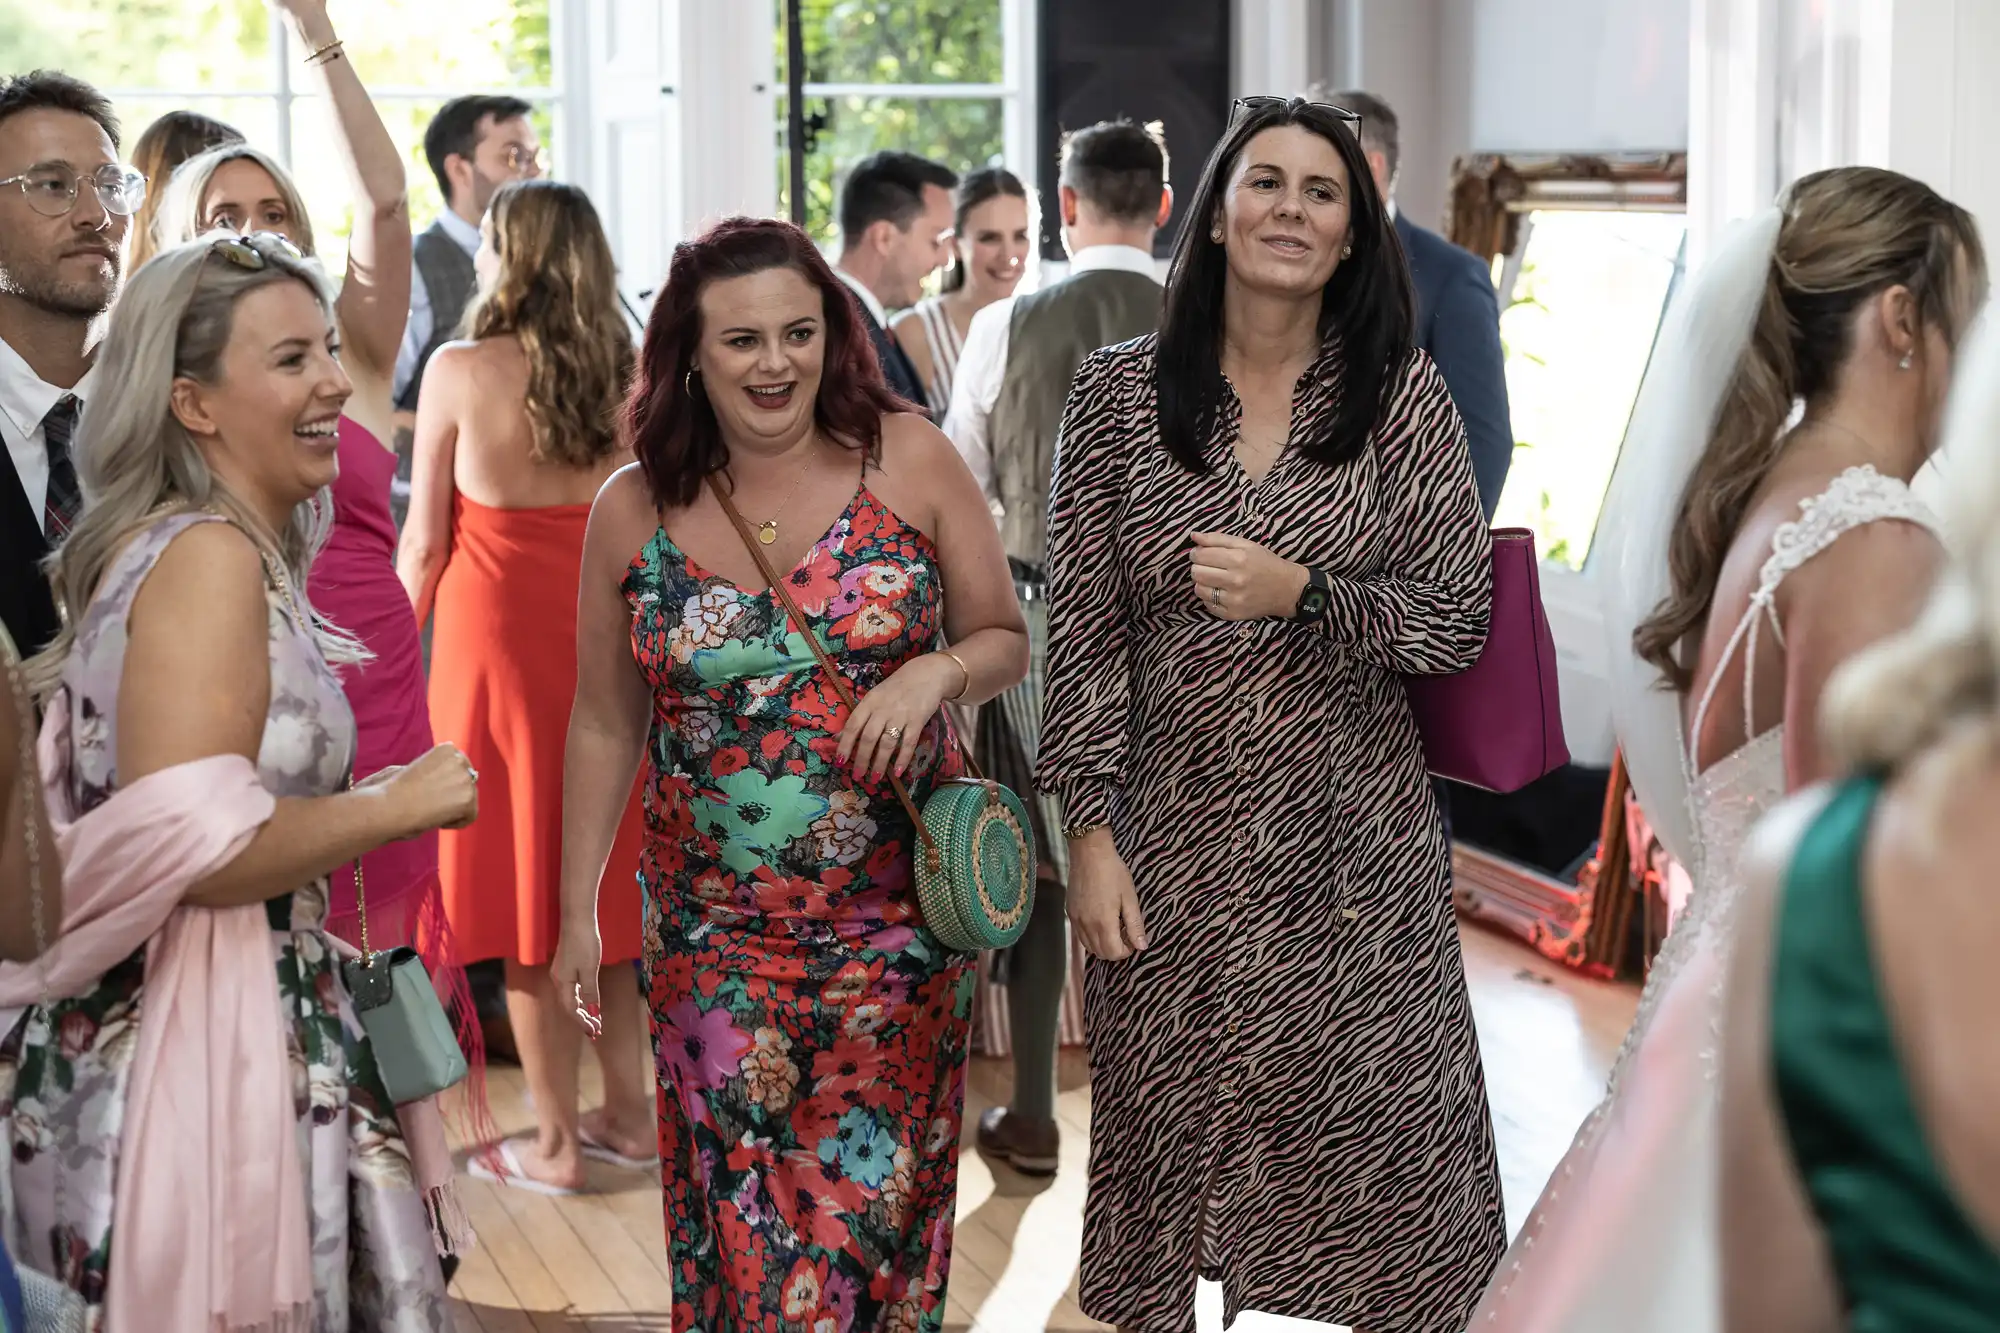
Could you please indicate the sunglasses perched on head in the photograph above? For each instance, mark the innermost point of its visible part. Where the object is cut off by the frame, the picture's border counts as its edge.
(1341, 113)
(253, 251)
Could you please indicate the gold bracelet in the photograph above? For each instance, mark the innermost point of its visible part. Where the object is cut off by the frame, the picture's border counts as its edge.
(962, 667)
(326, 52)
(1071, 832)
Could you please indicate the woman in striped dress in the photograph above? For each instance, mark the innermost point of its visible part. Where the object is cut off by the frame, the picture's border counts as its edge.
(994, 235)
(1262, 519)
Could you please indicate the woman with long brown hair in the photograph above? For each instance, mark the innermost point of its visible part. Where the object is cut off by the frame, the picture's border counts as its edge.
(1794, 545)
(516, 432)
(167, 142)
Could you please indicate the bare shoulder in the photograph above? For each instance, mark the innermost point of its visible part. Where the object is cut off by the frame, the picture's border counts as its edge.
(1890, 562)
(623, 517)
(208, 558)
(912, 444)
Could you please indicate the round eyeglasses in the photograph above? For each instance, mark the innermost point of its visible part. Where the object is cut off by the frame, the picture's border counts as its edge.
(52, 190)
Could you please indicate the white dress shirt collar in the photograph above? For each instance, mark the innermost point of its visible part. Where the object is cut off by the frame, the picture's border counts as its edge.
(871, 302)
(1125, 258)
(465, 233)
(26, 397)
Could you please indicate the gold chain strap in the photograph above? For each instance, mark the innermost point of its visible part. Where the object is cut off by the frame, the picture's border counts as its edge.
(275, 572)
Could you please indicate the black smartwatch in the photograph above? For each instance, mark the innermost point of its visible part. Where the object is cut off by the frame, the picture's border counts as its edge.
(1313, 597)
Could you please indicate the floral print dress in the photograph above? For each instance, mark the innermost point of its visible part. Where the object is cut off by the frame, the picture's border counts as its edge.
(65, 1070)
(810, 1030)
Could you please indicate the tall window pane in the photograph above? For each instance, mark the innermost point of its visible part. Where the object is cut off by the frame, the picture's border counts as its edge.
(899, 41)
(169, 44)
(963, 133)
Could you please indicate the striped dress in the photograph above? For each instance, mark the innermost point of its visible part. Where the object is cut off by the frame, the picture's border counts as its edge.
(946, 343)
(1285, 1087)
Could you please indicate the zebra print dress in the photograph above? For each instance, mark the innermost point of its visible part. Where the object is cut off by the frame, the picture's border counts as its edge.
(1285, 1087)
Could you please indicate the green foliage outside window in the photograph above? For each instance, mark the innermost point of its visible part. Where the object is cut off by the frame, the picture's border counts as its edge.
(891, 42)
(187, 46)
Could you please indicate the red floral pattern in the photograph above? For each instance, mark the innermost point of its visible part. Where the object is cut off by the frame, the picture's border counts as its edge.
(810, 1031)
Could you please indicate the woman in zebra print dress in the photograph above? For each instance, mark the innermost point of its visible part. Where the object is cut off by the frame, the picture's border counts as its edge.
(1262, 519)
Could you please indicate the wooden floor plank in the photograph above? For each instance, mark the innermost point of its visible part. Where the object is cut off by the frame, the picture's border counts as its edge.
(597, 1263)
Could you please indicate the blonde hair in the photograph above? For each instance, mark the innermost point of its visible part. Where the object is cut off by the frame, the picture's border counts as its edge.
(167, 143)
(180, 218)
(135, 459)
(1848, 234)
(557, 294)
(1907, 693)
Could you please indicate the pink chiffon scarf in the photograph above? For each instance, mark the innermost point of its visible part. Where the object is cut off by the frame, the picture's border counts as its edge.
(209, 1203)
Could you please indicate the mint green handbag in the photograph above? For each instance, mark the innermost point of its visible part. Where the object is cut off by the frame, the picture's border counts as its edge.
(975, 863)
(415, 1049)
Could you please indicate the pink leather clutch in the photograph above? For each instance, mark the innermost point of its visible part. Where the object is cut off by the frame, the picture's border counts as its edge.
(1498, 723)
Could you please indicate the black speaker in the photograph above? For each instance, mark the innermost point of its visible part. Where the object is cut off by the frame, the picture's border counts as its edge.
(1164, 60)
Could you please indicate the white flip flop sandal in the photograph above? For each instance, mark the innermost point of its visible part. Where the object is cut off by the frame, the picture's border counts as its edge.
(598, 1150)
(510, 1173)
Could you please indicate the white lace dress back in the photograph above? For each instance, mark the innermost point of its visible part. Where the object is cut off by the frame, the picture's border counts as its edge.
(1624, 1235)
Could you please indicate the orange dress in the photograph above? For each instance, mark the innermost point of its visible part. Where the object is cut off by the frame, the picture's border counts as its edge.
(503, 677)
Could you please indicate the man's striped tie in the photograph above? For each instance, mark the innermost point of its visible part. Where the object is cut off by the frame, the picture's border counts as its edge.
(65, 496)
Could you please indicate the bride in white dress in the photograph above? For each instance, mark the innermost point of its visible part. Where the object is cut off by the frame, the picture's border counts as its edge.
(1790, 549)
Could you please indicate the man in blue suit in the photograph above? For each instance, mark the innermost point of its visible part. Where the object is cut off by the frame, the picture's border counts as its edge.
(1458, 317)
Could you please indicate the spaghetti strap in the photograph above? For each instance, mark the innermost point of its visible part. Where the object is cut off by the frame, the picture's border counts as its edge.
(1857, 497)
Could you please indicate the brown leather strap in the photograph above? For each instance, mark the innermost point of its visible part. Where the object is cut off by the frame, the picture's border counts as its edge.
(834, 677)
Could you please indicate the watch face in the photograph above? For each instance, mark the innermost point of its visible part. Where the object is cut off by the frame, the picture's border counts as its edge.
(1312, 602)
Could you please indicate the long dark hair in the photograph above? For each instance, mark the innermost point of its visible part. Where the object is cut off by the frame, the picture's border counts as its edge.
(673, 431)
(1367, 302)
(978, 188)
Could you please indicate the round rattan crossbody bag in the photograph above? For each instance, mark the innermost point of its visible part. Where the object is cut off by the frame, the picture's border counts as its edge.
(975, 863)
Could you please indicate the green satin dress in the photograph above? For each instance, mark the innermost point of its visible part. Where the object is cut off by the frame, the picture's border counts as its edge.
(1908, 1256)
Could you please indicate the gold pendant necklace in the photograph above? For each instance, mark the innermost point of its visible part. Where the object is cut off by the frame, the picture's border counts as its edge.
(767, 531)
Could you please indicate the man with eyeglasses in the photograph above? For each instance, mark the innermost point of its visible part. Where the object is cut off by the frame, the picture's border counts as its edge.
(65, 204)
(474, 146)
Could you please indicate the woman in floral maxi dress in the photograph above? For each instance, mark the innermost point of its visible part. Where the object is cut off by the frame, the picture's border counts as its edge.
(372, 1234)
(811, 1031)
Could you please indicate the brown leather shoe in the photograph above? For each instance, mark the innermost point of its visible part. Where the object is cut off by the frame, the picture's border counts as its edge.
(1030, 1147)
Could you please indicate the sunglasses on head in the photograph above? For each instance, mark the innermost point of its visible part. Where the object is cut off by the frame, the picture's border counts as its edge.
(1259, 103)
(249, 251)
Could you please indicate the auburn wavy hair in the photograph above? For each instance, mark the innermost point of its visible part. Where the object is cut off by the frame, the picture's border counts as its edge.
(673, 429)
(556, 293)
(1848, 235)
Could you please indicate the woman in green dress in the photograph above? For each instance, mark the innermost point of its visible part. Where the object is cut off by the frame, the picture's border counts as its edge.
(1860, 1153)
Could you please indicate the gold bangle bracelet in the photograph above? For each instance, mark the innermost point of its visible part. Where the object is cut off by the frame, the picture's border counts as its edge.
(1074, 831)
(325, 52)
(962, 667)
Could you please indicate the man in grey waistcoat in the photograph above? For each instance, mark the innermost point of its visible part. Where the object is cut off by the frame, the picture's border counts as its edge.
(474, 146)
(1008, 391)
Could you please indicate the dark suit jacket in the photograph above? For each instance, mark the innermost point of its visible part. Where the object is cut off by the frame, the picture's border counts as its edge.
(27, 607)
(1458, 323)
(897, 368)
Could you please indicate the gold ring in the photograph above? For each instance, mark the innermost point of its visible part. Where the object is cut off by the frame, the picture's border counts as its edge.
(892, 733)
(1215, 597)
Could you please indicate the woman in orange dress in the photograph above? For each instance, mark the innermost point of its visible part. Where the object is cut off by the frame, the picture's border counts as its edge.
(515, 434)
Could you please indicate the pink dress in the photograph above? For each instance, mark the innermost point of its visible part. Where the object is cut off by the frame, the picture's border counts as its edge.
(354, 585)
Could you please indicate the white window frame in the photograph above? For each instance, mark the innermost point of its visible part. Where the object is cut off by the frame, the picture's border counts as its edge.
(285, 96)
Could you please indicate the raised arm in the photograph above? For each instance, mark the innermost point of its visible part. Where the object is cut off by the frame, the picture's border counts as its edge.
(1425, 610)
(1089, 687)
(1871, 583)
(375, 296)
(196, 683)
(608, 725)
(425, 546)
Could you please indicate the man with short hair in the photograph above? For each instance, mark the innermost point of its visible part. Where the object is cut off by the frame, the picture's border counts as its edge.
(65, 203)
(474, 146)
(1013, 377)
(1458, 315)
(895, 231)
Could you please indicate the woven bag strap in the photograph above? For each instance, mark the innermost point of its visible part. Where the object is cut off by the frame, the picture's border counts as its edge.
(834, 676)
